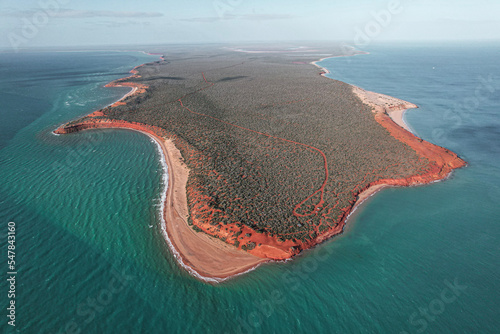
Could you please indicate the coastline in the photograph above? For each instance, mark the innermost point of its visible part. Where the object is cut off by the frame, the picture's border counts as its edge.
(377, 101)
(213, 260)
(388, 112)
(135, 88)
(204, 257)
(380, 103)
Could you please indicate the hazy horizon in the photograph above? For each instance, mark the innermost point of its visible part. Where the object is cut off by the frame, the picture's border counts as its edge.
(66, 23)
(310, 43)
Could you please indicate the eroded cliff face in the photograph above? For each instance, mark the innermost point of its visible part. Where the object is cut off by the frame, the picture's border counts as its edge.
(99, 123)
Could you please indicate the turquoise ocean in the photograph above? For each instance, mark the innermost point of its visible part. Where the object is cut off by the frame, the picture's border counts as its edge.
(90, 256)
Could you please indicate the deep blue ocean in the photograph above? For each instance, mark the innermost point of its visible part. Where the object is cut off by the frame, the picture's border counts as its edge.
(90, 256)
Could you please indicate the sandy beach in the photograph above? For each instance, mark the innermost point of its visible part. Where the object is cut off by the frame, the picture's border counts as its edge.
(394, 107)
(208, 257)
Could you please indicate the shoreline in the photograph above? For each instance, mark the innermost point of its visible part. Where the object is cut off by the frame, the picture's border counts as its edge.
(212, 260)
(391, 118)
(135, 88)
(212, 256)
(204, 257)
(397, 107)
(381, 103)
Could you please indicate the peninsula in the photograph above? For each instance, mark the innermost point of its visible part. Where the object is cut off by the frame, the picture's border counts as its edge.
(266, 157)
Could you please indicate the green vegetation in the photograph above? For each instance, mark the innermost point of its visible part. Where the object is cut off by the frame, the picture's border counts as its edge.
(253, 129)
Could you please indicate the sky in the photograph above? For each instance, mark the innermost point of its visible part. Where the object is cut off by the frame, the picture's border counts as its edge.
(48, 23)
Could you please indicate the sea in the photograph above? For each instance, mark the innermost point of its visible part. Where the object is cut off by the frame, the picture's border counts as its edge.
(89, 252)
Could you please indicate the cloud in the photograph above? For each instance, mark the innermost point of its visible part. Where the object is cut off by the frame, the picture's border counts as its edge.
(77, 14)
(116, 24)
(266, 17)
(247, 17)
(203, 19)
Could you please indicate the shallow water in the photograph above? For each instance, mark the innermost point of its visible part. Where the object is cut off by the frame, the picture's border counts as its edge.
(90, 251)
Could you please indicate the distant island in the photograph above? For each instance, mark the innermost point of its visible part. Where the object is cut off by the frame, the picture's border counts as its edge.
(266, 156)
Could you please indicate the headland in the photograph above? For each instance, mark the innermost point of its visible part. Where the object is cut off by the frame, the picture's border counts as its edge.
(265, 157)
